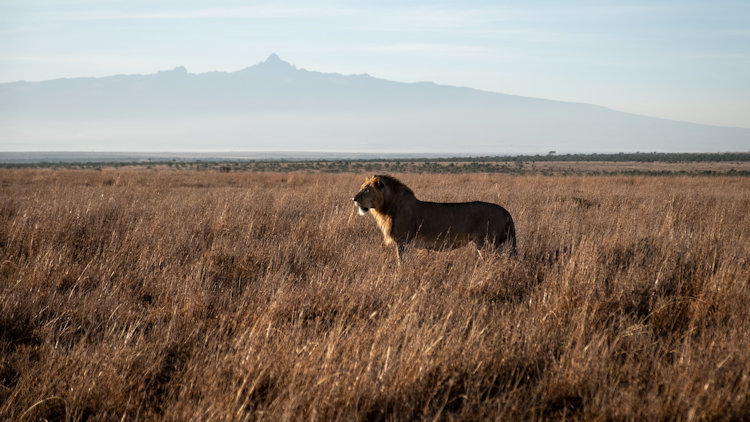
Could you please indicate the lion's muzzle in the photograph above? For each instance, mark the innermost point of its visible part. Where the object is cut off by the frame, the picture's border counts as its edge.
(361, 209)
(358, 203)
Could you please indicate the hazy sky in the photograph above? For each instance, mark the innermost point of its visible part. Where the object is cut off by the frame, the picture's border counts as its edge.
(684, 60)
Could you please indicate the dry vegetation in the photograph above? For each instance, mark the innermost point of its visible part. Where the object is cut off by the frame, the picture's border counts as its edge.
(202, 295)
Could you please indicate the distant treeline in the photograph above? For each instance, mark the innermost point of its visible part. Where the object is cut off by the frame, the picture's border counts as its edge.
(642, 157)
(515, 164)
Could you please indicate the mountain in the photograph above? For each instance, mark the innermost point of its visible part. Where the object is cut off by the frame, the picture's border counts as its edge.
(274, 106)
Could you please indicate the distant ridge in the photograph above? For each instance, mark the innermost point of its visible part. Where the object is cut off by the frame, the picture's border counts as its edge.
(274, 106)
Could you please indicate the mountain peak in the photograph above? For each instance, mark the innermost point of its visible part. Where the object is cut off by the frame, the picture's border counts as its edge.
(274, 61)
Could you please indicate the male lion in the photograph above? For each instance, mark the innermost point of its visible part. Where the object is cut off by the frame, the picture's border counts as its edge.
(405, 220)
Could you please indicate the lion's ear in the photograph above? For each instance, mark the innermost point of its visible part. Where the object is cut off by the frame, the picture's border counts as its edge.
(377, 183)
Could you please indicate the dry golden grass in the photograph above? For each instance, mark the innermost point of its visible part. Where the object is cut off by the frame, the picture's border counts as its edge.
(207, 296)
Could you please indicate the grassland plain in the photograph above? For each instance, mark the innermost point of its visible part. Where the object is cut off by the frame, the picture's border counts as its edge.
(184, 295)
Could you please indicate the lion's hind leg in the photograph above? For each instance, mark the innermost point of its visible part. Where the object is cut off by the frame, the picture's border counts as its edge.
(479, 244)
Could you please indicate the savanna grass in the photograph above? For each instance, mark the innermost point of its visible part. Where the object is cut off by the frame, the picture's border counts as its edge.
(185, 295)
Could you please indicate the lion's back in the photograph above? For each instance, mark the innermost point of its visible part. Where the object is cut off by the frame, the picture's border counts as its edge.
(474, 219)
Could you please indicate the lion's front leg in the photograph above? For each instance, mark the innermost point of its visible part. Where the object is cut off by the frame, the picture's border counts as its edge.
(400, 252)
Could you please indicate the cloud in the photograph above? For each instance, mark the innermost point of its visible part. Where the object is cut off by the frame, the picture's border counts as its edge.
(97, 60)
(246, 12)
(428, 48)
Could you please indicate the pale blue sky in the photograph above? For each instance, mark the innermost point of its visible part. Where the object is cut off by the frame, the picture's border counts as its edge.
(683, 60)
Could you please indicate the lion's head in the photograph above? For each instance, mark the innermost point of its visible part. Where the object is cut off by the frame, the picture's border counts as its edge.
(370, 195)
(378, 191)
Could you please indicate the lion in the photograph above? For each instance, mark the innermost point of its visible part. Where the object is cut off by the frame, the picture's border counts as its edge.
(407, 221)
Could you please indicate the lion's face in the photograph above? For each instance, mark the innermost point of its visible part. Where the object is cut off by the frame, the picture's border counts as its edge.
(369, 196)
